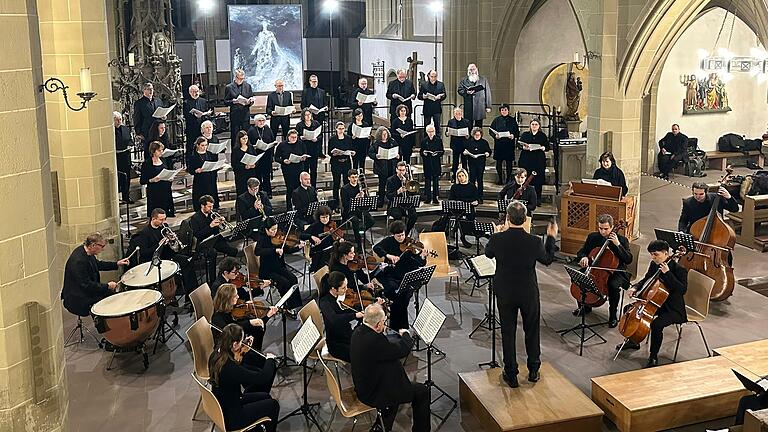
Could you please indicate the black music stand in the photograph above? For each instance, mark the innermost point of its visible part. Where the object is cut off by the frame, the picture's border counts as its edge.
(676, 239)
(406, 203)
(209, 243)
(160, 332)
(455, 210)
(313, 206)
(428, 323)
(361, 206)
(246, 227)
(309, 336)
(479, 229)
(413, 281)
(284, 359)
(489, 322)
(586, 285)
(286, 217)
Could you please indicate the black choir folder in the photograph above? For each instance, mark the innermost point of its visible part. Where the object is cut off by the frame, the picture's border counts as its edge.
(476, 88)
(752, 385)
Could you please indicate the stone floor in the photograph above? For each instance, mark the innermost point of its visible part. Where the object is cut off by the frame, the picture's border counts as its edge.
(163, 398)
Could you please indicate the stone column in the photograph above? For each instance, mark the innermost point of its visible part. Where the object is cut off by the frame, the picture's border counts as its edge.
(82, 144)
(32, 368)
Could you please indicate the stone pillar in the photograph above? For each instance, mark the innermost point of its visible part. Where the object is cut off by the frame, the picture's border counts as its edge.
(32, 369)
(82, 144)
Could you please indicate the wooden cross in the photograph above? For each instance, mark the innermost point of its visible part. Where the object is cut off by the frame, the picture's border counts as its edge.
(413, 66)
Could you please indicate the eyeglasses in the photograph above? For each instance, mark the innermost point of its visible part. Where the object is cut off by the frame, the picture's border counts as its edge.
(101, 245)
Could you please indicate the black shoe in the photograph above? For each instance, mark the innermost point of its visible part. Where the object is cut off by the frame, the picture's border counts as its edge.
(534, 375)
(613, 322)
(582, 310)
(652, 362)
(465, 242)
(628, 346)
(435, 201)
(511, 381)
(479, 201)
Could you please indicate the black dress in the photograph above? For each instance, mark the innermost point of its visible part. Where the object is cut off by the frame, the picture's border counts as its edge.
(313, 148)
(477, 165)
(534, 160)
(264, 165)
(613, 175)
(458, 142)
(340, 165)
(432, 166)
(359, 145)
(406, 143)
(240, 408)
(204, 183)
(291, 171)
(504, 148)
(158, 193)
(192, 127)
(242, 174)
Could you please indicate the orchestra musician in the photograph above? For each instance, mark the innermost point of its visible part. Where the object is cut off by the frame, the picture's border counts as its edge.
(432, 153)
(319, 240)
(279, 98)
(253, 202)
(619, 246)
(400, 91)
(359, 145)
(337, 319)
(457, 142)
(143, 109)
(752, 402)
(383, 168)
(403, 122)
(699, 204)
(192, 120)
(82, 284)
(273, 265)
(205, 225)
(673, 149)
(477, 145)
(342, 253)
(291, 170)
(261, 132)
(224, 303)
(672, 311)
(361, 220)
(242, 171)
(339, 143)
(362, 88)
(314, 96)
(228, 377)
(504, 147)
(303, 196)
(123, 141)
(239, 112)
(377, 371)
(314, 146)
(400, 264)
(229, 272)
(432, 110)
(396, 187)
(204, 182)
(462, 190)
(534, 159)
(610, 172)
(158, 192)
(516, 287)
(528, 195)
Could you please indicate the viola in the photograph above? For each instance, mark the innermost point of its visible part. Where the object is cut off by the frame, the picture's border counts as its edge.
(415, 247)
(602, 263)
(253, 281)
(330, 230)
(290, 241)
(352, 300)
(360, 263)
(245, 310)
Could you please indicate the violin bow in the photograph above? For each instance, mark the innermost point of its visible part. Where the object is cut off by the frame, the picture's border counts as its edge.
(243, 342)
(286, 236)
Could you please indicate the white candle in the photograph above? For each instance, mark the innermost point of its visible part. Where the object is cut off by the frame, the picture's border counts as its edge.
(575, 57)
(131, 59)
(85, 80)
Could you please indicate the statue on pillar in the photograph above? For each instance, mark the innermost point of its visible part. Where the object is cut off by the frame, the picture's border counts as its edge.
(573, 89)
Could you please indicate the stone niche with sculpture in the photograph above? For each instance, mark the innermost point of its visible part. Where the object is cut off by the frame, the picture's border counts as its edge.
(562, 88)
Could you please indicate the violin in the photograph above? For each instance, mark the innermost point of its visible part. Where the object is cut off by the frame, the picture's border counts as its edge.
(602, 263)
(360, 263)
(331, 230)
(253, 282)
(290, 241)
(415, 247)
(245, 310)
(244, 348)
(353, 301)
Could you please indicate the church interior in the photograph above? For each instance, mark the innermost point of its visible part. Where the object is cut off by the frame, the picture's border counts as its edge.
(522, 148)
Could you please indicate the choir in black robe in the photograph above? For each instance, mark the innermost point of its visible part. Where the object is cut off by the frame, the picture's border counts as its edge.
(360, 145)
(123, 140)
(383, 168)
(242, 174)
(239, 115)
(366, 107)
(158, 193)
(313, 148)
(291, 171)
(192, 126)
(314, 96)
(432, 110)
(264, 165)
(458, 143)
(203, 183)
(432, 166)
(406, 90)
(613, 175)
(534, 160)
(340, 165)
(276, 122)
(504, 148)
(143, 109)
(406, 143)
(477, 165)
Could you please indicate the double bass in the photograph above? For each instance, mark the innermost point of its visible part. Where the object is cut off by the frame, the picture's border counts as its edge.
(715, 241)
(602, 264)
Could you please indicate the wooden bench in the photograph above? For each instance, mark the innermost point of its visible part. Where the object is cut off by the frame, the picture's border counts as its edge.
(719, 160)
(672, 395)
(552, 404)
(753, 213)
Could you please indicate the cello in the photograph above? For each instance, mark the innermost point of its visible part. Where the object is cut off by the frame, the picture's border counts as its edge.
(635, 323)
(715, 241)
(602, 264)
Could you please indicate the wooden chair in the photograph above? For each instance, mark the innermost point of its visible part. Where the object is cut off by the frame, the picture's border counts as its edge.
(202, 302)
(318, 277)
(311, 309)
(201, 339)
(212, 407)
(696, 306)
(436, 241)
(346, 401)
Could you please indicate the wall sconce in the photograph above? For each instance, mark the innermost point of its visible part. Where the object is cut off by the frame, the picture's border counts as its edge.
(54, 84)
(591, 55)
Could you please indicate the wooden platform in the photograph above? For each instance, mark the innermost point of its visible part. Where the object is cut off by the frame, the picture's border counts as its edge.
(552, 404)
(670, 396)
(752, 356)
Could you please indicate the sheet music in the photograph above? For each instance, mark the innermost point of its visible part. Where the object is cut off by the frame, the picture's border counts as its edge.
(315, 110)
(285, 297)
(535, 147)
(170, 152)
(284, 110)
(503, 134)
(347, 153)
(167, 175)
(429, 321)
(462, 132)
(475, 156)
(484, 266)
(261, 145)
(249, 159)
(312, 134)
(432, 97)
(197, 113)
(213, 166)
(364, 98)
(294, 158)
(403, 133)
(763, 382)
(217, 148)
(242, 100)
(388, 153)
(596, 181)
(161, 112)
(306, 339)
(361, 132)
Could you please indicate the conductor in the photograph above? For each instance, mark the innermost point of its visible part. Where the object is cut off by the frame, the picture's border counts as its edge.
(516, 287)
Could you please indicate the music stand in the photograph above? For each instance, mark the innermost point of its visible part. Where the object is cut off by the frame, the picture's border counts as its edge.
(455, 210)
(414, 280)
(286, 217)
(313, 206)
(209, 243)
(284, 359)
(478, 229)
(503, 203)
(427, 325)
(302, 344)
(490, 321)
(586, 285)
(676, 239)
(406, 202)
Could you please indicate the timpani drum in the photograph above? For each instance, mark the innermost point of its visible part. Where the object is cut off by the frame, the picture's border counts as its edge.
(142, 276)
(127, 319)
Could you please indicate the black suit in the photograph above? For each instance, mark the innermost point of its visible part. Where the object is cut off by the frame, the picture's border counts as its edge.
(239, 115)
(380, 380)
(432, 110)
(366, 107)
(272, 266)
(406, 90)
(123, 140)
(616, 280)
(192, 127)
(673, 310)
(201, 229)
(516, 288)
(279, 122)
(82, 284)
(393, 184)
(316, 97)
(301, 198)
(143, 109)
(676, 147)
(694, 210)
(338, 332)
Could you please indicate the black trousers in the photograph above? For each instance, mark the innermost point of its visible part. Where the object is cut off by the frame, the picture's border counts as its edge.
(661, 321)
(477, 123)
(123, 184)
(434, 119)
(505, 176)
(476, 174)
(339, 349)
(291, 183)
(398, 309)
(311, 167)
(255, 406)
(616, 282)
(409, 214)
(381, 191)
(283, 279)
(432, 183)
(255, 363)
(277, 122)
(667, 163)
(339, 179)
(530, 311)
(420, 406)
(751, 402)
(210, 254)
(457, 157)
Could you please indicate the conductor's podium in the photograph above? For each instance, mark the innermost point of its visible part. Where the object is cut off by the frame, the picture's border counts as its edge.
(672, 395)
(553, 404)
(752, 356)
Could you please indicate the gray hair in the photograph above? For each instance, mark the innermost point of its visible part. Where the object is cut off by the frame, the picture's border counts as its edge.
(94, 238)
(380, 131)
(516, 213)
(194, 86)
(429, 126)
(116, 114)
(239, 72)
(258, 117)
(374, 314)
(455, 110)
(148, 85)
(401, 70)
(205, 123)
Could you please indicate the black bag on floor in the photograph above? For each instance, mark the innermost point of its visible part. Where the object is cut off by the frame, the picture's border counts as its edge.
(759, 183)
(697, 162)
